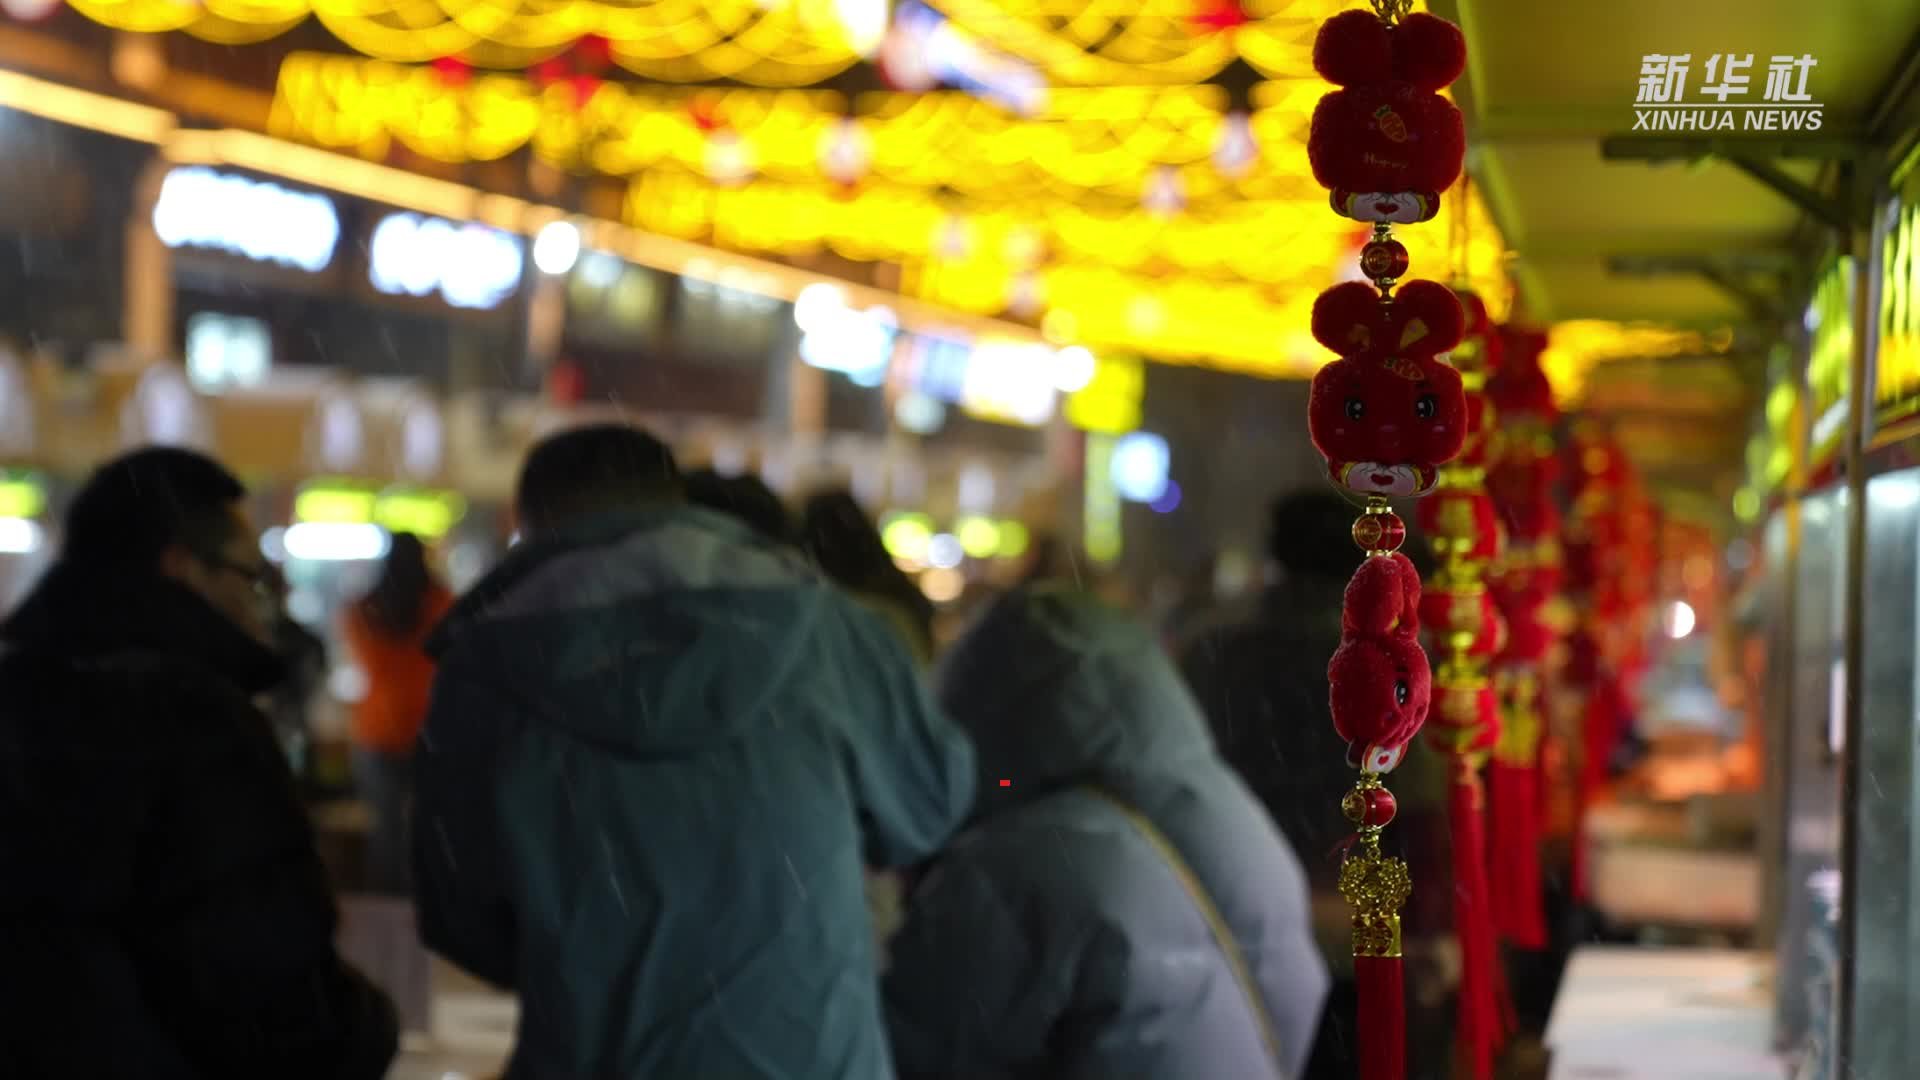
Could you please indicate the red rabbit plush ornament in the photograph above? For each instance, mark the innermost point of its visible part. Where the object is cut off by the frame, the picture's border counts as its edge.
(1390, 411)
(1387, 143)
(1380, 680)
(1386, 415)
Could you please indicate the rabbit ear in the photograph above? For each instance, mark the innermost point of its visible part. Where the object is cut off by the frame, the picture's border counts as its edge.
(1354, 48)
(1428, 51)
(1430, 316)
(1345, 317)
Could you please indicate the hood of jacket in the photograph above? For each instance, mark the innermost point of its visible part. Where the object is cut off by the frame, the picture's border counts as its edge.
(650, 633)
(1058, 689)
(83, 612)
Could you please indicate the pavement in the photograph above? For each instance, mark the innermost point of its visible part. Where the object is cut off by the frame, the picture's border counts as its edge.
(470, 1034)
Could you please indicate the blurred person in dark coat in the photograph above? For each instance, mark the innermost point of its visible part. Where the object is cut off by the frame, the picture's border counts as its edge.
(163, 908)
(290, 702)
(844, 542)
(660, 749)
(1260, 672)
(1116, 881)
(745, 497)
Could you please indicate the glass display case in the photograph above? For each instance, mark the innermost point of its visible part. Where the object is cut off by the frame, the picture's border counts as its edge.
(1886, 934)
(1804, 689)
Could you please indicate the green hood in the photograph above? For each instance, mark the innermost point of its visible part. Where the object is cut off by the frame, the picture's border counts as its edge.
(1057, 689)
(620, 632)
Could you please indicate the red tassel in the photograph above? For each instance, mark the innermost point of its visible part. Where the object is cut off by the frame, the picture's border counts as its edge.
(1513, 855)
(1601, 731)
(1478, 1025)
(1383, 1017)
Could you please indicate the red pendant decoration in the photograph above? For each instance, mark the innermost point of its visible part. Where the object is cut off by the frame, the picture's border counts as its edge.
(1525, 581)
(1467, 634)
(1387, 414)
(1607, 576)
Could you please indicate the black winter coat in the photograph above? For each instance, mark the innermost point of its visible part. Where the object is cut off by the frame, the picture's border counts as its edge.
(163, 908)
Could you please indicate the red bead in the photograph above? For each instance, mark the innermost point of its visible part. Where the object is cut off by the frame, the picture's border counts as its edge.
(1383, 260)
(1380, 532)
(1370, 808)
(1381, 808)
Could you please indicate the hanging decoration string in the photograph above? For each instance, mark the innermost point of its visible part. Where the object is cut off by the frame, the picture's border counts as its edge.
(1386, 415)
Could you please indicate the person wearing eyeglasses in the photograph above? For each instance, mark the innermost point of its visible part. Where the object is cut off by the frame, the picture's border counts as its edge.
(163, 908)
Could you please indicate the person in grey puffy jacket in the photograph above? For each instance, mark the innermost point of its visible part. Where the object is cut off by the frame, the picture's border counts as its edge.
(1120, 905)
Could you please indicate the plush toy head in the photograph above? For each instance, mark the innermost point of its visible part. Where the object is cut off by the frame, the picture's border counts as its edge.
(1380, 684)
(1389, 412)
(1523, 490)
(1387, 143)
(1520, 390)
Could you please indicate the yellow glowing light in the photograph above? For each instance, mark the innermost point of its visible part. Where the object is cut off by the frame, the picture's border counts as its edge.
(1060, 327)
(1897, 362)
(1746, 504)
(1831, 318)
(1576, 346)
(21, 496)
(1110, 403)
(334, 504)
(979, 537)
(426, 514)
(1100, 515)
(964, 196)
(1013, 540)
(907, 536)
(762, 42)
(759, 42)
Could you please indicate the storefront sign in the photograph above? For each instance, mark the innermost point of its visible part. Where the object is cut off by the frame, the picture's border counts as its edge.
(424, 512)
(937, 367)
(264, 222)
(1779, 428)
(1896, 389)
(470, 266)
(1010, 382)
(835, 337)
(1110, 402)
(227, 350)
(1830, 326)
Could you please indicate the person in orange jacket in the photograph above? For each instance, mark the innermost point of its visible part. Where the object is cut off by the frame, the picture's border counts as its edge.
(386, 631)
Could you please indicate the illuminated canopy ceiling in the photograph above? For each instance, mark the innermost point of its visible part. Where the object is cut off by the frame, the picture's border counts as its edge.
(1136, 206)
(774, 43)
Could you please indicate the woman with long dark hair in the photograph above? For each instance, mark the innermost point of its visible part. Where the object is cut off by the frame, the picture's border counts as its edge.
(387, 631)
(847, 547)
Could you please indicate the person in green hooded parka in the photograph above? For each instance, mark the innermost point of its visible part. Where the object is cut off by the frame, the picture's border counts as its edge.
(659, 750)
